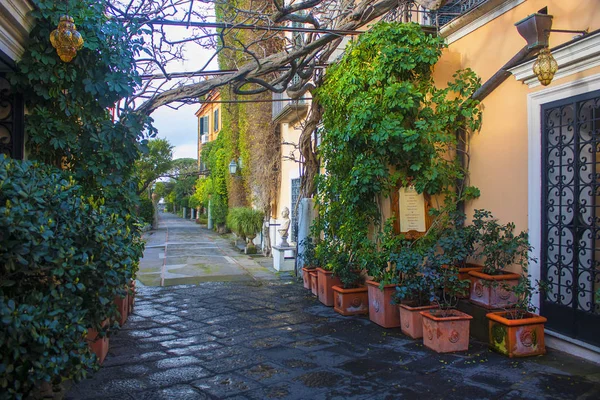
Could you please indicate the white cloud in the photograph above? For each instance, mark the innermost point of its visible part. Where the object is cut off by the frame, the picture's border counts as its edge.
(186, 151)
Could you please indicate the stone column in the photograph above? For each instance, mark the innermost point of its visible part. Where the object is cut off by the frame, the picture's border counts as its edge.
(210, 221)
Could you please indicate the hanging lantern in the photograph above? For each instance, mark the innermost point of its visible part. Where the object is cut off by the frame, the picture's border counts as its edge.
(545, 67)
(65, 39)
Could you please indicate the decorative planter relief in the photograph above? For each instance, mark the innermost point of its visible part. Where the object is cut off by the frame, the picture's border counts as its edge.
(517, 337)
(326, 282)
(412, 320)
(351, 301)
(314, 283)
(446, 331)
(306, 277)
(488, 291)
(381, 309)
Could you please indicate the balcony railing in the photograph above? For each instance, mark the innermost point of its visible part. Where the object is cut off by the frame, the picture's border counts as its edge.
(283, 105)
(204, 138)
(411, 12)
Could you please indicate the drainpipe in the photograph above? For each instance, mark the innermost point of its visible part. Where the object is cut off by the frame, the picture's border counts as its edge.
(535, 29)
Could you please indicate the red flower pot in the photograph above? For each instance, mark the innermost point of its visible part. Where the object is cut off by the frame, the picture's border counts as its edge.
(517, 337)
(381, 309)
(351, 301)
(489, 290)
(314, 283)
(463, 275)
(306, 277)
(326, 283)
(98, 345)
(446, 331)
(412, 320)
(122, 304)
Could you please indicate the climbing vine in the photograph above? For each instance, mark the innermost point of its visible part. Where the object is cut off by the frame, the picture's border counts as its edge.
(386, 124)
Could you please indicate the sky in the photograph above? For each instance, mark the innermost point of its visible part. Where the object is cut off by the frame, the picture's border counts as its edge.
(180, 127)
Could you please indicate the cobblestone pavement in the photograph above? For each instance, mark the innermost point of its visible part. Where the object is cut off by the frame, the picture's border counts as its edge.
(182, 252)
(256, 338)
(274, 340)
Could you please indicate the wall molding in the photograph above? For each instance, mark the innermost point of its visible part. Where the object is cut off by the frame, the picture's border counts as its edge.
(572, 59)
(15, 24)
(476, 18)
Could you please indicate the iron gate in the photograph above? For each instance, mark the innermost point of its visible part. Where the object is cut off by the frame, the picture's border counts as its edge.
(570, 253)
(294, 208)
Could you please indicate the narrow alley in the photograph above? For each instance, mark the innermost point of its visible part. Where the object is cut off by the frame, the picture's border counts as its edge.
(247, 334)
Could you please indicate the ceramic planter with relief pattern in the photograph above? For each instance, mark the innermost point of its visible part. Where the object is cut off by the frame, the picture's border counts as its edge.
(517, 337)
(326, 283)
(412, 320)
(351, 301)
(446, 331)
(493, 291)
(381, 309)
(314, 283)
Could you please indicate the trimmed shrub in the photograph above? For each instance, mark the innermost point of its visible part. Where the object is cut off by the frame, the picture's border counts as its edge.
(146, 210)
(63, 258)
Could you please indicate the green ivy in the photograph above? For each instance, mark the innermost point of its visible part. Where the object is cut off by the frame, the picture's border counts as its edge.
(386, 124)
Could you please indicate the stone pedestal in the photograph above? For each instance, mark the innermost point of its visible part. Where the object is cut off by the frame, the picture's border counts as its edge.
(280, 263)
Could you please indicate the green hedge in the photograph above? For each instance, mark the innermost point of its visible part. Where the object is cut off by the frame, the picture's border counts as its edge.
(146, 210)
(63, 258)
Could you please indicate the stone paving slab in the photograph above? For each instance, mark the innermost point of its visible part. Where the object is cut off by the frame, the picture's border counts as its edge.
(274, 340)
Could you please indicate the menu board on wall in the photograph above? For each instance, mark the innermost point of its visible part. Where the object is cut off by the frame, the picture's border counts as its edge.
(411, 207)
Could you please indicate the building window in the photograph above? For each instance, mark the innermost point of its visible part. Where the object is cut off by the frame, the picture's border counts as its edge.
(216, 121)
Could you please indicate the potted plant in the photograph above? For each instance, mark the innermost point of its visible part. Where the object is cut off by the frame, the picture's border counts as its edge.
(251, 222)
(383, 310)
(500, 248)
(445, 329)
(329, 250)
(415, 290)
(245, 222)
(351, 295)
(519, 332)
(309, 260)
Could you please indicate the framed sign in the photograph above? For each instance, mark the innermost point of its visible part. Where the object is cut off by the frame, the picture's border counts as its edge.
(411, 210)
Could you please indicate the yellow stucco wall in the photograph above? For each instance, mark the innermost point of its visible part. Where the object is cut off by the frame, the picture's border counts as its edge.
(290, 133)
(208, 109)
(499, 153)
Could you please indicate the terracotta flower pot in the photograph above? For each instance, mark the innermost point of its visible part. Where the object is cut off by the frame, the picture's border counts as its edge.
(306, 277)
(314, 283)
(98, 346)
(517, 337)
(412, 321)
(381, 309)
(351, 301)
(326, 283)
(131, 296)
(122, 304)
(488, 290)
(446, 331)
(463, 275)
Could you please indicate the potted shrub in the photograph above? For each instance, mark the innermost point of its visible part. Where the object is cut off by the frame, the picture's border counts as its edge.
(326, 278)
(309, 260)
(414, 291)
(518, 332)
(446, 329)
(245, 222)
(383, 310)
(351, 296)
(251, 222)
(500, 248)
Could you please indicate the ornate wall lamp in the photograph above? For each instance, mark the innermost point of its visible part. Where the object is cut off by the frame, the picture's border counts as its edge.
(65, 39)
(536, 30)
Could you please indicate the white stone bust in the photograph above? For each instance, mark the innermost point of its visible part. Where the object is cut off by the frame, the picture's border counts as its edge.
(284, 226)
